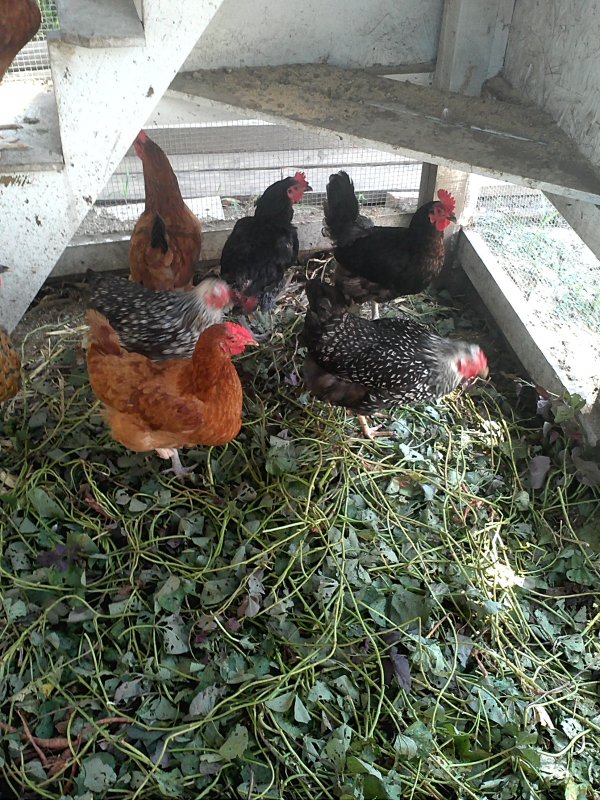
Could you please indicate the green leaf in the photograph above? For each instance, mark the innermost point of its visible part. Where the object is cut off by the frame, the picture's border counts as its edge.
(235, 744)
(281, 457)
(421, 734)
(281, 703)
(320, 691)
(575, 791)
(98, 772)
(170, 783)
(170, 595)
(45, 506)
(158, 708)
(175, 635)
(300, 712)
(15, 609)
(135, 506)
(204, 702)
(337, 746)
(493, 709)
(405, 746)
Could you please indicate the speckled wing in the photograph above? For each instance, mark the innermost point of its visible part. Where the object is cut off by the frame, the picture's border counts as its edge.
(159, 325)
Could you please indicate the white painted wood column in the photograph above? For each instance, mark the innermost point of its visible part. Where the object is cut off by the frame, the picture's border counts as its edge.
(104, 96)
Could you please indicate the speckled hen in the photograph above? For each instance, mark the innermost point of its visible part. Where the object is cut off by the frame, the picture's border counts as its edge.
(159, 325)
(366, 365)
(379, 263)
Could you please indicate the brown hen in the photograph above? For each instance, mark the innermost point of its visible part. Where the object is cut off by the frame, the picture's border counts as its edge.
(165, 244)
(19, 22)
(172, 404)
(10, 362)
(10, 368)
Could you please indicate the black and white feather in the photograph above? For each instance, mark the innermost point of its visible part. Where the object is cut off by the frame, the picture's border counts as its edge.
(366, 365)
(159, 325)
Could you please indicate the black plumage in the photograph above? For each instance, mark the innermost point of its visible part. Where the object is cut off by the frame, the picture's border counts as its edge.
(381, 263)
(366, 365)
(261, 248)
(159, 325)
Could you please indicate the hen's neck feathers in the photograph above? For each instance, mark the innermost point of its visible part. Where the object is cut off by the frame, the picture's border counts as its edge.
(160, 182)
(275, 206)
(210, 362)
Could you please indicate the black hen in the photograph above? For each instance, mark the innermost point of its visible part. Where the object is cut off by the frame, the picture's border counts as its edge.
(377, 263)
(366, 365)
(261, 248)
(159, 325)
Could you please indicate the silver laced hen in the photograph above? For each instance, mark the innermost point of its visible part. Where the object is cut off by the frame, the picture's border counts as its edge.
(366, 365)
(159, 325)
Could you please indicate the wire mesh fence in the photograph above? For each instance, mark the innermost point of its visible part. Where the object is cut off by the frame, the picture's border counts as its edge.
(33, 62)
(222, 167)
(555, 273)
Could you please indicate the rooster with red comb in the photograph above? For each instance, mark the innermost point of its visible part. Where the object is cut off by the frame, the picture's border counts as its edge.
(261, 248)
(379, 264)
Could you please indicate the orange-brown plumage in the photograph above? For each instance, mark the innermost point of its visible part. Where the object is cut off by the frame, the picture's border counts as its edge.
(165, 244)
(19, 22)
(169, 404)
(10, 367)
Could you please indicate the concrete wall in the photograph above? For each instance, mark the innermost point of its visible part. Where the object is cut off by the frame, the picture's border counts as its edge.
(348, 33)
(553, 58)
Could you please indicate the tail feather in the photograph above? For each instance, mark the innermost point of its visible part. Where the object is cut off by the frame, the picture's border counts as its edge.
(158, 236)
(101, 334)
(343, 223)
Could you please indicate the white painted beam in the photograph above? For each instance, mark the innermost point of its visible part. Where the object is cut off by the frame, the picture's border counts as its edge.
(104, 96)
(106, 254)
(471, 134)
(472, 44)
(530, 342)
(584, 218)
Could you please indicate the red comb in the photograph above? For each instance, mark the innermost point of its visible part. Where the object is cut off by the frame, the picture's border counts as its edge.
(300, 178)
(447, 201)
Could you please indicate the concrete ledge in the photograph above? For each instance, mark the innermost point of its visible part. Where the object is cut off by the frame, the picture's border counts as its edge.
(108, 253)
(510, 312)
(29, 129)
(89, 23)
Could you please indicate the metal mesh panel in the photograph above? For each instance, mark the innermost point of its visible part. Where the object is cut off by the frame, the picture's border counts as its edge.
(32, 61)
(222, 167)
(555, 273)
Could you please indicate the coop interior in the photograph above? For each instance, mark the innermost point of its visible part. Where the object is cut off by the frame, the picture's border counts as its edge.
(309, 612)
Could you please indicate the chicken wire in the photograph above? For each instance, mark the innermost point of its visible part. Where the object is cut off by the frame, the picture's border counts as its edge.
(33, 61)
(222, 167)
(555, 273)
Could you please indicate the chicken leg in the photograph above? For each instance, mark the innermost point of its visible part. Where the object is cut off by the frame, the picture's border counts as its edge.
(176, 466)
(371, 433)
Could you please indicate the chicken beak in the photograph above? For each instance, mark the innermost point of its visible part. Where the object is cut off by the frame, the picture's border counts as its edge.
(451, 217)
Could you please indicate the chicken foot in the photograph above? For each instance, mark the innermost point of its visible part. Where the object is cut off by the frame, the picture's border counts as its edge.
(176, 466)
(371, 433)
